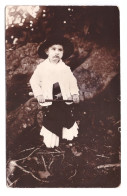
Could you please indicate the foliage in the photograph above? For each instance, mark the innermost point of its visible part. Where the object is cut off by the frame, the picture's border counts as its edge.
(33, 23)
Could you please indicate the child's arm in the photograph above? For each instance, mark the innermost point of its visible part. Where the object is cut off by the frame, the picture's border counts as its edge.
(75, 98)
(35, 85)
(40, 99)
(73, 87)
(74, 90)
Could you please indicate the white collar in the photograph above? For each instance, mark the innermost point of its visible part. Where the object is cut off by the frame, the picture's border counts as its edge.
(54, 64)
(59, 66)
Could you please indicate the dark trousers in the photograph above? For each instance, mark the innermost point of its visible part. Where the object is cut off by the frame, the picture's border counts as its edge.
(57, 116)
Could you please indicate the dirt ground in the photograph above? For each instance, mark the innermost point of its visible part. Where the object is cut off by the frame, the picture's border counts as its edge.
(91, 160)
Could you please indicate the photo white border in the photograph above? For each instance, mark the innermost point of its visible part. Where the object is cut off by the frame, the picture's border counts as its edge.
(122, 189)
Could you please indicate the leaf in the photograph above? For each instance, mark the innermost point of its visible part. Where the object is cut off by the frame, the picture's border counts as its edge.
(44, 174)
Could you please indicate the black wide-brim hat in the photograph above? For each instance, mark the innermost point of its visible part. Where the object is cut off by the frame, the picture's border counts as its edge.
(54, 40)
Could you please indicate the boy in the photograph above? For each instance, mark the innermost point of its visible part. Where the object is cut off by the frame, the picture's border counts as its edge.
(58, 121)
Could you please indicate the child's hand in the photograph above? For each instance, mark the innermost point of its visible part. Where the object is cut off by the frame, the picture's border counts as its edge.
(58, 95)
(69, 98)
(40, 99)
(75, 98)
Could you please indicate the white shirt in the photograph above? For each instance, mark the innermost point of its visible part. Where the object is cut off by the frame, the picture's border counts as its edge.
(46, 74)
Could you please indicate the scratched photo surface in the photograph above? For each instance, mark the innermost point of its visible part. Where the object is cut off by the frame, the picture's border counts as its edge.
(93, 157)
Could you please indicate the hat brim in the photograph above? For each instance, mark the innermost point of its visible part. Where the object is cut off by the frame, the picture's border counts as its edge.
(67, 46)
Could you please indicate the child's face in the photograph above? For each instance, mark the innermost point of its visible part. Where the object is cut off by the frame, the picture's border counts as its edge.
(55, 53)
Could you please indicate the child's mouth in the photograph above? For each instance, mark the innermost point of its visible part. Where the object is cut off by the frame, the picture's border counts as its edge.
(56, 57)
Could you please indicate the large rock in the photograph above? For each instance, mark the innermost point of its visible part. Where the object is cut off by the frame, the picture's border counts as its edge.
(96, 72)
(23, 119)
(22, 60)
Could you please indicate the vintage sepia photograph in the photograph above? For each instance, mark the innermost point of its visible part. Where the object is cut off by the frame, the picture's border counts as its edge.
(63, 99)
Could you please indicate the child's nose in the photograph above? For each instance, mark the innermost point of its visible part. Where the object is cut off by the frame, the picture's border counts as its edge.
(57, 51)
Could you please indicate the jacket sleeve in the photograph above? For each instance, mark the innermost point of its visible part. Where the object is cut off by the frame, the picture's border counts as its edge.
(35, 83)
(73, 84)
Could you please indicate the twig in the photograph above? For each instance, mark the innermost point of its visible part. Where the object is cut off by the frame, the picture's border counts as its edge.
(108, 146)
(88, 148)
(73, 175)
(10, 185)
(8, 181)
(116, 122)
(51, 162)
(28, 155)
(98, 155)
(51, 152)
(63, 157)
(118, 99)
(119, 129)
(58, 151)
(28, 172)
(44, 163)
(27, 150)
(108, 165)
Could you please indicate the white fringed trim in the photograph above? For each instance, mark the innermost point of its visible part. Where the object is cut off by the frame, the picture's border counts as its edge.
(69, 134)
(50, 139)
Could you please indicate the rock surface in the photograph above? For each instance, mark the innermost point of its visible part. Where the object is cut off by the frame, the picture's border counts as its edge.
(97, 71)
(23, 119)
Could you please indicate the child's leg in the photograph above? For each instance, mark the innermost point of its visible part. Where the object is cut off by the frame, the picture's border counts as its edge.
(69, 134)
(70, 128)
(52, 125)
(50, 139)
(53, 119)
